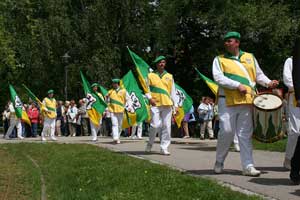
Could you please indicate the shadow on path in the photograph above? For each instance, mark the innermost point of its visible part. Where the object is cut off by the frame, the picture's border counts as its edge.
(211, 172)
(271, 181)
(296, 193)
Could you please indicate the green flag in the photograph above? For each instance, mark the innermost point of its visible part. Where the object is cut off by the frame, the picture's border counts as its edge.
(18, 105)
(103, 90)
(95, 105)
(142, 69)
(135, 108)
(210, 83)
(184, 102)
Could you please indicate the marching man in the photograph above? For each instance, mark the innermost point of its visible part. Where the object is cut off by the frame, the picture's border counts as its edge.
(237, 72)
(161, 98)
(14, 121)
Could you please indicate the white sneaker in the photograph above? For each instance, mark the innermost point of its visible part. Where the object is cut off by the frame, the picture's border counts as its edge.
(165, 152)
(133, 137)
(44, 139)
(21, 137)
(53, 138)
(251, 171)
(139, 138)
(94, 139)
(218, 168)
(237, 147)
(116, 141)
(148, 148)
(287, 163)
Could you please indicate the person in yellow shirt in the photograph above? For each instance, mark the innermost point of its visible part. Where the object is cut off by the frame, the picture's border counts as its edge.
(162, 98)
(49, 116)
(116, 99)
(95, 129)
(237, 73)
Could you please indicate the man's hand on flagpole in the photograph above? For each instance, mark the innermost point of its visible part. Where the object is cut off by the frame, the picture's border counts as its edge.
(152, 102)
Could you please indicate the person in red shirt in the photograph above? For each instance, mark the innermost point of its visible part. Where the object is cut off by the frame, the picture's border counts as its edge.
(33, 114)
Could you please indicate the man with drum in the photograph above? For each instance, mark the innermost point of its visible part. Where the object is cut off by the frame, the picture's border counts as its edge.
(237, 72)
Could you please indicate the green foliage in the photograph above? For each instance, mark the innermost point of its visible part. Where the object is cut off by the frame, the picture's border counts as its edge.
(35, 34)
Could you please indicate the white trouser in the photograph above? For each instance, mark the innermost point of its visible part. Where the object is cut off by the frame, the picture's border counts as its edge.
(139, 128)
(206, 125)
(95, 129)
(235, 119)
(293, 128)
(161, 123)
(14, 122)
(49, 125)
(116, 121)
(235, 139)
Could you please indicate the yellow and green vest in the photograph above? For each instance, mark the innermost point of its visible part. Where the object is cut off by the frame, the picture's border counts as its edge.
(233, 71)
(160, 87)
(117, 100)
(51, 106)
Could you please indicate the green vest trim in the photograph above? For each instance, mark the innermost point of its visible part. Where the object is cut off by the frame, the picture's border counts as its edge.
(113, 101)
(161, 74)
(238, 78)
(51, 109)
(159, 90)
(229, 56)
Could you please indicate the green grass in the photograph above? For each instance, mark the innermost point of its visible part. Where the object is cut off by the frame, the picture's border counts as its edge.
(276, 146)
(76, 171)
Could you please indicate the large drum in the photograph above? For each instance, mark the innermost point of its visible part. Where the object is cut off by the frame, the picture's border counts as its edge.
(267, 117)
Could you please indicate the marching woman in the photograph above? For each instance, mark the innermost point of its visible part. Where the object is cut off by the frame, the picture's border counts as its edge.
(49, 116)
(116, 98)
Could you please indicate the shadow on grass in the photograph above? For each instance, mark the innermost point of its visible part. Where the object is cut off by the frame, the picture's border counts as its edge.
(271, 181)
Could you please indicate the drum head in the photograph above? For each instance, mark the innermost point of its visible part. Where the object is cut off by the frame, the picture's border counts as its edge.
(267, 102)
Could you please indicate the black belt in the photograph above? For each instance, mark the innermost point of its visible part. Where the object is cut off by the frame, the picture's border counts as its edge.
(221, 96)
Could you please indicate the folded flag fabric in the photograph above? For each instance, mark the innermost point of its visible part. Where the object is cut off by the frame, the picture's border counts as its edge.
(18, 105)
(210, 83)
(135, 107)
(95, 104)
(184, 102)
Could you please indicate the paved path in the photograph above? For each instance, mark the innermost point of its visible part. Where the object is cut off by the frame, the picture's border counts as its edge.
(198, 157)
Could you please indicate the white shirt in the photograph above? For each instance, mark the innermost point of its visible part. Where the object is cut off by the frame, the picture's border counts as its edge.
(72, 113)
(226, 82)
(287, 74)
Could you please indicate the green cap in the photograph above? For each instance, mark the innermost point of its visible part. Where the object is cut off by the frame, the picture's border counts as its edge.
(159, 58)
(94, 84)
(115, 80)
(50, 91)
(232, 34)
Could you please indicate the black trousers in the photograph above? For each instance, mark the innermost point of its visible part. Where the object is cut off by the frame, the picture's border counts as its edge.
(295, 163)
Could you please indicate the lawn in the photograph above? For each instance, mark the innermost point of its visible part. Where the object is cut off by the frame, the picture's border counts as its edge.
(276, 146)
(78, 171)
